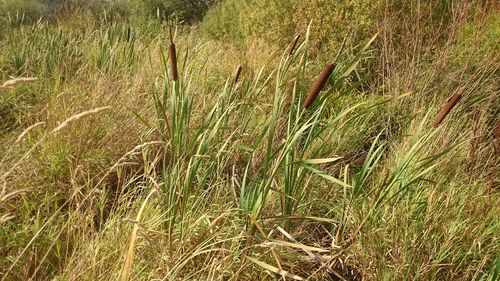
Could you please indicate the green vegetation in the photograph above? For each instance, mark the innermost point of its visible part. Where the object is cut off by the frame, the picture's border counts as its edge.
(276, 21)
(113, 167)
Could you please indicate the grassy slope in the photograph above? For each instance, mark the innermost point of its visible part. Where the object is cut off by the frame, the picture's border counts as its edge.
(185, 180)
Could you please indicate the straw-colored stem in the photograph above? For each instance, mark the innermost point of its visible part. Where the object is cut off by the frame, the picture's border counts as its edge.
(497, 129)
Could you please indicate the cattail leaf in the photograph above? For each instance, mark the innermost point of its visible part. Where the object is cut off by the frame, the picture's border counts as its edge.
(276, 270)
(326, 176)
(245, 148)
(369, 42)
(297, 246)
(321, 160)
(127, 266)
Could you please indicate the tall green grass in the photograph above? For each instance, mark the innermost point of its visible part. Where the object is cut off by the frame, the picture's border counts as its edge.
(118, 168)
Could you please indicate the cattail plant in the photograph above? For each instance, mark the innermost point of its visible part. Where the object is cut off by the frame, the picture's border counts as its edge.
(496, 137)
(447, 108)
(294, 44)
(173, 58)
(359, 160)
(496, 132)
(319, 85)
(237, 75)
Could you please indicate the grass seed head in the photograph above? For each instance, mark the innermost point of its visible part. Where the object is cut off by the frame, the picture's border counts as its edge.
(16, 81)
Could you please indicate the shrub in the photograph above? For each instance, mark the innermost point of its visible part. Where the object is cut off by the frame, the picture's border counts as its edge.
(223, 21)
(331, 22)
(190, 10)
(26, 11)
(21, 11)
(100, 9)
(185, 10)
(278, 21)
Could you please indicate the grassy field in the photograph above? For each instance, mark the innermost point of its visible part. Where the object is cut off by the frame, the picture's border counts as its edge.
(145, 149)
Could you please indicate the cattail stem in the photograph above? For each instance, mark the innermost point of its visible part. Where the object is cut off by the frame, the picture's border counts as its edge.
(446, 109)
(319, 85)
(186, 55)
(237, 75)
(294, 44)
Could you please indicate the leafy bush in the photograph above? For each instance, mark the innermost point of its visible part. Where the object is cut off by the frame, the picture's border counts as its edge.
(223, 21)
(26, 11)
(20, 11)
(184, 10)
(278, 21)
(191, 10)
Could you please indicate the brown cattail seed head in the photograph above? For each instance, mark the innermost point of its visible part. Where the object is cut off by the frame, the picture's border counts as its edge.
(446, 109)
(359, 160)
(496, 132)
(319, 85)
(294, 44)
(237, 75)
(496, 137)
(173, 61)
